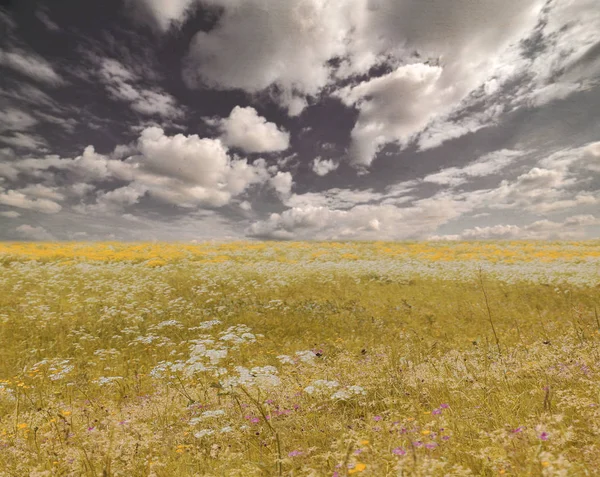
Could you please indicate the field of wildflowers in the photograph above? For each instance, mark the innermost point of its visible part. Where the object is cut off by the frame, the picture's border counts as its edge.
(300, 359)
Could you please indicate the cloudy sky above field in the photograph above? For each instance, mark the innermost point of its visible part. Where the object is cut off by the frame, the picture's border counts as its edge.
(299, 119)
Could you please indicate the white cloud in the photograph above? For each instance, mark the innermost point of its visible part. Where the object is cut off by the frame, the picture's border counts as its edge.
(245, 129)
(282, 182)
(488, 164)
(15, 198)
(164, 13)
(322, 167)
(34, 233)
(12, 119)
(570, 228)
(124, 85)
(25, 141)
(31, 65)
(260, 43)
(381, 221)
(11, 214)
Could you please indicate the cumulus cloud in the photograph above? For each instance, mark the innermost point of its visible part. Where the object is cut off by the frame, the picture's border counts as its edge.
(282, 182)
(571, 228)
(322, 167)
(19, 199)
(262, 43)
(34, 233)
(163, 13)
(245, 129)
(10, 214)
(372, 222)
(186, 171)
(31, 65)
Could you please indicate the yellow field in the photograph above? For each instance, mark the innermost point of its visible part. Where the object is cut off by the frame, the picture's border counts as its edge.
(300, 359)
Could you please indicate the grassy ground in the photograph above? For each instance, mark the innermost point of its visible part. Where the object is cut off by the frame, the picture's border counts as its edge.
(300, 359)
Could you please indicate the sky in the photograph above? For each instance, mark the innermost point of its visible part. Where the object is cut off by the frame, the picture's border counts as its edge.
(187, 120)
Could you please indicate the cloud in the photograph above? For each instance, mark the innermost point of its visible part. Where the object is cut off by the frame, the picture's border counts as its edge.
(13, 119)
(370, 222)
(163, 13)
(34, 233)
(31, 65)
(258, 44)
(245, 129)
(16, 198)
(488, 164)
(571, 228)
(43, 17)
(10, 214)
(123, 85)
(282, 182)
(25, 141)
(322, 167)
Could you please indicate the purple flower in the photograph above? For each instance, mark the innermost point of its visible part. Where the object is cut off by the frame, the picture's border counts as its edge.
(255, 420)
(431, 445)
(444, 406)
(295, 453)
(377, 418)
(436, 411)
(517, 430)
(398, 451)
(336, 474)
(445, 438)
(357, 451)
(544, 436)
(417, 444)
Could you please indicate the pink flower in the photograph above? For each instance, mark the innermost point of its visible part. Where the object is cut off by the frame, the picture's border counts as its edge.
(398, 451)
(431, 445)
(436, 411)
(377, 418)
(444, 406)
(295, 453)
(544, 436)
(255, 420)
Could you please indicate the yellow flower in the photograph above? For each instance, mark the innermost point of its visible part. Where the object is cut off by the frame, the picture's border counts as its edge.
(22, 425)
(359, 467)
(66, 413)
(546, 463)
(425, 432)
(364, 443)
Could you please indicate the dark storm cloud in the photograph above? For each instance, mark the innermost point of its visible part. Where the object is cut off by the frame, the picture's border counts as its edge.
(189, 119)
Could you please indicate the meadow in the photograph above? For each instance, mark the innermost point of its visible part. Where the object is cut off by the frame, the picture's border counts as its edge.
(300, 359)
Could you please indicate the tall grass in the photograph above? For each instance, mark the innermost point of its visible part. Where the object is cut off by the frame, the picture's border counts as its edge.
(253, 366)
